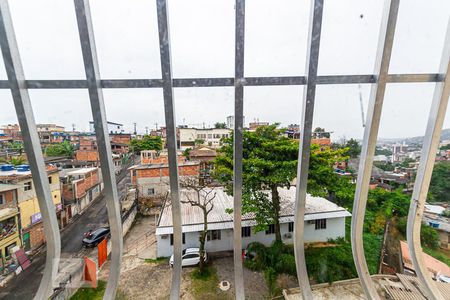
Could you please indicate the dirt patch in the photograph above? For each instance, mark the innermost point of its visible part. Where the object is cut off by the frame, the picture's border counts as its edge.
(254, 283)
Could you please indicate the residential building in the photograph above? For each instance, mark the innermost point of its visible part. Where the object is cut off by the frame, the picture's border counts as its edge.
(324, 220)
(252, 126)
(152, 180)
(230, 122)
(433, 217)
(211, 137)
(122, 138)
(9, 222)
(79, 188)
(27, 202)
(49, 128)
(113, 128)
(205, 156)
(11, 130)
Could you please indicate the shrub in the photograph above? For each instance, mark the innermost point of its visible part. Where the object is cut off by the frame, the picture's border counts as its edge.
(429, 237)
(271, 277)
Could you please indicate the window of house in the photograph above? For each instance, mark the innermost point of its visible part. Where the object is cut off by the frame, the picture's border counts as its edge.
(28, 186)
(183, 237)
(246, 231)
(134, 173)
(291, 226)
(8, 249)
(50, 179)
(209, 136)
(214, 235)
(321, 224)
(271, 229)
(151, 191)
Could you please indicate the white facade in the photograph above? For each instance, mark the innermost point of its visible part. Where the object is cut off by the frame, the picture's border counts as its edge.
(112, 127)
(210, 136)
(318, 210)
(335, 228)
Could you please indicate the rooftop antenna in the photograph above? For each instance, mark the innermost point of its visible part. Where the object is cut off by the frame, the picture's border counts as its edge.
(361, 105)
(156, 126)
(135, 132)
(73, 126)
(146, 129)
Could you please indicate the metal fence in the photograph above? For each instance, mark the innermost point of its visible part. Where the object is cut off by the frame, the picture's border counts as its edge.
(19, 86)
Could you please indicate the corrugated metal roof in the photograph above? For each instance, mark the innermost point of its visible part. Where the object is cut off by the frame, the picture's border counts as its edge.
(218, 218)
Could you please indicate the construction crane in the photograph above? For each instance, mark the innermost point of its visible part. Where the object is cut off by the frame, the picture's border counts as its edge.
(361, 105)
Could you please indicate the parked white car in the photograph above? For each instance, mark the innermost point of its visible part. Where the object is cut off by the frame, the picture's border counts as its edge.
(189, 257)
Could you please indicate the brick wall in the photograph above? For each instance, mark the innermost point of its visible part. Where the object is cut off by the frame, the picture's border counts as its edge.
(8, 199)
(87, 155)
(37, 236)
(121, 138)
(164, 171)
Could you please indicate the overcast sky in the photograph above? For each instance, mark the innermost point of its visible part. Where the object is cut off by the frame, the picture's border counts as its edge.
(202, 34)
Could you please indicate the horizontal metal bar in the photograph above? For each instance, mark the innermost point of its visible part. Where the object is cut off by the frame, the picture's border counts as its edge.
(225, 81)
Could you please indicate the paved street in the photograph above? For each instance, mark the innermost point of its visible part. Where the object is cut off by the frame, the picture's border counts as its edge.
(25, 285)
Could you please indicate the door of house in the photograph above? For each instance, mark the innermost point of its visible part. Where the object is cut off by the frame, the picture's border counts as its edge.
(26, 241)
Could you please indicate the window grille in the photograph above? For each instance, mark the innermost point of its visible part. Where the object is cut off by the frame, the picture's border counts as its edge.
(19, 86)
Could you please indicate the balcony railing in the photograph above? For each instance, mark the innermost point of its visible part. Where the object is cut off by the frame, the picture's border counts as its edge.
(19, 86)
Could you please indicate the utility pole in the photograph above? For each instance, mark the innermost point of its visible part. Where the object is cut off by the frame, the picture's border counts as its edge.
(73, 126)
(156, 126)
(146, 129)
(135, 132)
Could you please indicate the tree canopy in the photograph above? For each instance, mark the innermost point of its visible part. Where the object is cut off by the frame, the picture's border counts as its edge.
(440, 184)
(62, 149)
(220, 125)
(354, 148)
(269, 162)
(148, 142)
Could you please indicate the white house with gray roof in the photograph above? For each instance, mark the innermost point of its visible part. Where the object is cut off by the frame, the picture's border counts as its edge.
(324, 220)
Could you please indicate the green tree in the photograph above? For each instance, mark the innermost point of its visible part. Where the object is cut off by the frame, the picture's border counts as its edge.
(15, 146)
(440, 183)
(62, 149)
(354, 148)
(220, 125)
(17, 160)
(148, 142)
(199, 142)
(269, 163)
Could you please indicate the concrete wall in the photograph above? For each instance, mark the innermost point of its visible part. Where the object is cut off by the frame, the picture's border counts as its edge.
(335, 229)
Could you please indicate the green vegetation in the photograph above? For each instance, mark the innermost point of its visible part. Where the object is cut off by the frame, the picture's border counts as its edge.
(384, 166)
(439, 254)
(386, 152)
(270, 162)
(220, 125)
(17, 160)
(15, 146)
(354, 148)
(324, 264)
(158, 260)
(440, 184)
(429, 236)
(204, 284)
(95, 293)
(62, 149)
(148, 142)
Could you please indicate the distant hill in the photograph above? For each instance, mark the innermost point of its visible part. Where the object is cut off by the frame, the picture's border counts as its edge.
(445, 135)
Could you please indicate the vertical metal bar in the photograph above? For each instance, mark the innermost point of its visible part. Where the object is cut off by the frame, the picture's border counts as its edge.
(169, 110)
(238, 147)
(427, 158)
(383, 57)
(309, 94)
(24, 111)
(91, 67)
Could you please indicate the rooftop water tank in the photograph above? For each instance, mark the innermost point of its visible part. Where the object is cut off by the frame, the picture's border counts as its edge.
(23, 168)
(5, 168)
